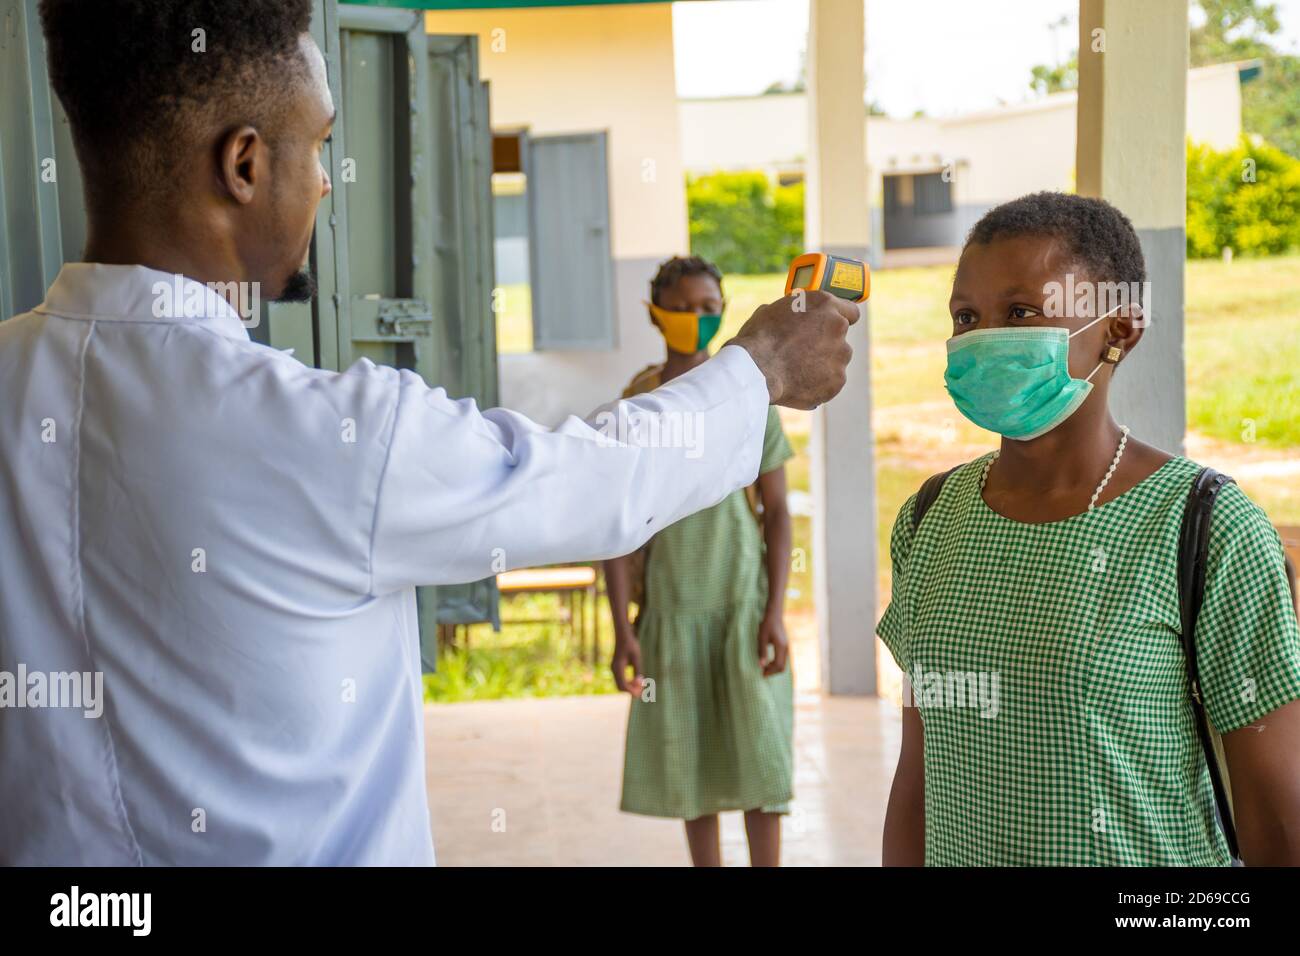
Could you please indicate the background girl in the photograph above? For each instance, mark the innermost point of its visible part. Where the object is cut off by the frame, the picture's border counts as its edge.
(713, 731)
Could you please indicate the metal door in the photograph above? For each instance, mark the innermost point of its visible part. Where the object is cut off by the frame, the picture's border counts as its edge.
(463, 269)
(569, 231)
(416, 181)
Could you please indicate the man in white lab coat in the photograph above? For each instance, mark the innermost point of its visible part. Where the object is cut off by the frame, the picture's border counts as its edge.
(208, 648)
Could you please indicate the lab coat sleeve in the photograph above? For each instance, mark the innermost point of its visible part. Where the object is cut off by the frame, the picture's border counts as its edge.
(465, 494)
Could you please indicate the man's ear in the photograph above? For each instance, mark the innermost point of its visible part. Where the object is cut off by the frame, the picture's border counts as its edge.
(241, 163)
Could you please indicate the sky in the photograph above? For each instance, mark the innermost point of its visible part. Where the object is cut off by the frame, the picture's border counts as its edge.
(945, 57)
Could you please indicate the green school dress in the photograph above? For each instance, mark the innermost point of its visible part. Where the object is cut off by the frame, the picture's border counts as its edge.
(717, 734)
(1047, 664)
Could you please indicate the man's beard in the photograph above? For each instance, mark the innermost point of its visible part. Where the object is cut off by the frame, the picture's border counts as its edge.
(300, 287)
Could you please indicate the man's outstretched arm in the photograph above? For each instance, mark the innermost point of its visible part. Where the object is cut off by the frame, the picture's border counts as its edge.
(466, 493)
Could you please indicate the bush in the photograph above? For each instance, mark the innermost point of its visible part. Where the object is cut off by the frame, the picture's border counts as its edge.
(744, 224)
(1247, 198)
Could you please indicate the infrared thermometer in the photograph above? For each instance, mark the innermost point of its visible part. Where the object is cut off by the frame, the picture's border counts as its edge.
(840, 276)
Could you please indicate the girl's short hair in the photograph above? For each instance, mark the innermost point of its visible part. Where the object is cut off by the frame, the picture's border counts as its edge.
(672, 270)
(1095, 233)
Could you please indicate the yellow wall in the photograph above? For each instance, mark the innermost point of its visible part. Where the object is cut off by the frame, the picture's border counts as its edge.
(573, 69)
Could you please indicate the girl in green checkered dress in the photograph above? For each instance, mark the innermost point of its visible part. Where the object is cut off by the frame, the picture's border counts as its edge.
(712, 708)
(1035, 607)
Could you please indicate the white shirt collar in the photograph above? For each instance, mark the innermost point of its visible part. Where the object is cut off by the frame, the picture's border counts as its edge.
(92, 290)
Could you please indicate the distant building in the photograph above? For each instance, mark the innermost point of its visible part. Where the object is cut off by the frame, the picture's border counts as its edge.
(930, 179)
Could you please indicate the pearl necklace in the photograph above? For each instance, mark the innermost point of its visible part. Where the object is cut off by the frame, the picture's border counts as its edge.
(1119, 453)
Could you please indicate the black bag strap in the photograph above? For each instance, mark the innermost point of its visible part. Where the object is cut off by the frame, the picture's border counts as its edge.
(1193, 556)
(927, 495)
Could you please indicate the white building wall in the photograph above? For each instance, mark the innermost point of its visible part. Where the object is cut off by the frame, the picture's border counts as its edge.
(742, 133)
(1007, 153)
(1214, 105)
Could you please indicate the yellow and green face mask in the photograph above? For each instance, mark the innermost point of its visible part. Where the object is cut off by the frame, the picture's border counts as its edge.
(686, 332)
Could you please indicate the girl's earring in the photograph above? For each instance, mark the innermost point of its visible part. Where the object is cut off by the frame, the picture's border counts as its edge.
(1112, 355)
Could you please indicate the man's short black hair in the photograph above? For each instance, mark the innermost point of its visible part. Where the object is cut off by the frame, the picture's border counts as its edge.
(1094, 233)
(674, 269)
(138, 77)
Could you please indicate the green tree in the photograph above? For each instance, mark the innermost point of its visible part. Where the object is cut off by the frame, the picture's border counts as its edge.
(1054, 79)
(1233, 30)
(1046, 78)
(1270, 104)
(1246, 199)
(1245, 30)
(1226, 31)
(743, 223)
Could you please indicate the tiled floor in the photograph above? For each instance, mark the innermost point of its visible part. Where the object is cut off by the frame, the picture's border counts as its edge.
(536, 783)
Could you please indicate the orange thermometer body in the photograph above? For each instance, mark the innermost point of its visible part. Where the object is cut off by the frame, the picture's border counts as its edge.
(840, 276)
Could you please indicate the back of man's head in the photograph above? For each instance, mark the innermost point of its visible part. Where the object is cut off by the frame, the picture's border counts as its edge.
(141, 79)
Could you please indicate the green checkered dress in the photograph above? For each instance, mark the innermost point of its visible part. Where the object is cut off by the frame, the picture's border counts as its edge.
(1046, 662)
(718, 734)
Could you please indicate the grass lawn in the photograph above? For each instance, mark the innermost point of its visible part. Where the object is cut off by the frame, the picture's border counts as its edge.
(1243, 373)
(524, 660)
(1243, 350)
(514, 309)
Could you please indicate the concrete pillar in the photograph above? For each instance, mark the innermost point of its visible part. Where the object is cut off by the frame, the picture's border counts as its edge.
(837, 220)
(1131, 151)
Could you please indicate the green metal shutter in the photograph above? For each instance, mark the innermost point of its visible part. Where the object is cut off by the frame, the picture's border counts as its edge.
(419, 230)
(569, 242)
(31, 245)
(461, 222)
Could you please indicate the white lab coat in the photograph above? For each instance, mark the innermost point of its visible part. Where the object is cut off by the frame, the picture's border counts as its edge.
(231, 541)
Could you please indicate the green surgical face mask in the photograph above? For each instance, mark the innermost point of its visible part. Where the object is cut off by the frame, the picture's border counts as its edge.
(1016, 382)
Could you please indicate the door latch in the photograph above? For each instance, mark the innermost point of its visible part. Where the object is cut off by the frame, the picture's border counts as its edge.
(377, 319)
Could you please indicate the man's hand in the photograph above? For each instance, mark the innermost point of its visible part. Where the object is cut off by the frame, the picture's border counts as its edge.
(799, 345)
